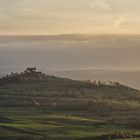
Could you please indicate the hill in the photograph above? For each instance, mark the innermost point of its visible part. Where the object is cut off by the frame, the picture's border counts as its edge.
(38, 89)
(126, 77)
(36, 104)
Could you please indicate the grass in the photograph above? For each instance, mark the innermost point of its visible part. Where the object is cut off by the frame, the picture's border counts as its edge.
(52, 124)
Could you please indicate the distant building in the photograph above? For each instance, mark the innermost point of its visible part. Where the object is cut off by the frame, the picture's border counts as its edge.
(30, 70)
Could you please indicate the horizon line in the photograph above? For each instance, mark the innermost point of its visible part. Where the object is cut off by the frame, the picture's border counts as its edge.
(86, 34)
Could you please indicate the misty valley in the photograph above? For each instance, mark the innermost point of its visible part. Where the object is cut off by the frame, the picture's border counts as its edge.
(69, 69)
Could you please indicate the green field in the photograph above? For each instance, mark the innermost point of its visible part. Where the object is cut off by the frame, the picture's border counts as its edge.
(43, 107)
(40, 124)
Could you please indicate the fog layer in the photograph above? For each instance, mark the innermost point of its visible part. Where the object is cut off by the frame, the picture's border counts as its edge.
(70, 52)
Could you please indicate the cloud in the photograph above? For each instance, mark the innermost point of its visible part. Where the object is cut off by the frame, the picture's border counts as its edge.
(97, 4)
(127, 20)
(121, 20)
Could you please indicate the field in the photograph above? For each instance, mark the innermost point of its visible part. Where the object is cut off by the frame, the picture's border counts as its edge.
(43, 107)
(38, 123)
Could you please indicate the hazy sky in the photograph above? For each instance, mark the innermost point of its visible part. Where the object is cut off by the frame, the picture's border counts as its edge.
(70, 52)
(69, 16)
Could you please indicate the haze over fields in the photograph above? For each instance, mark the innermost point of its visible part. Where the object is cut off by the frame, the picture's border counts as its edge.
(71, 52)
(101, 53)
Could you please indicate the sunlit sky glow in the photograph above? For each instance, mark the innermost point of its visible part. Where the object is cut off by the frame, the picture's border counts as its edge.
(69, 16)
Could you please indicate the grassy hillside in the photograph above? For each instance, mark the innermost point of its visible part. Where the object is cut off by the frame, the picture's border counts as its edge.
(39, 106)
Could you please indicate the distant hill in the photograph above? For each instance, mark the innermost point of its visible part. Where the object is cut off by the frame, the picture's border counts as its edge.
(126, 77)
(39, 106)
(41, 90)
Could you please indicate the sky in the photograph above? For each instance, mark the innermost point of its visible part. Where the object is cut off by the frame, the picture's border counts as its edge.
(79, 22)
(69, 52)
(49, 17)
